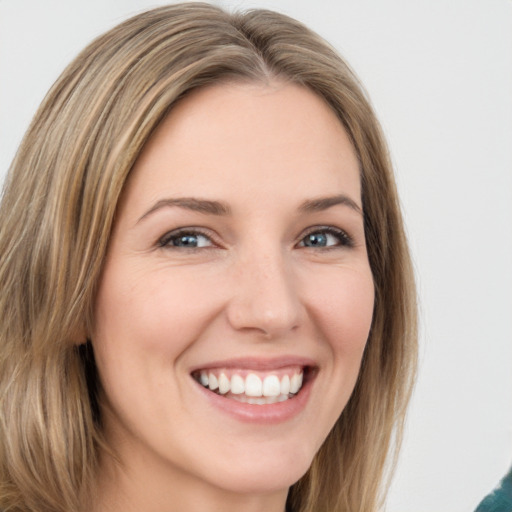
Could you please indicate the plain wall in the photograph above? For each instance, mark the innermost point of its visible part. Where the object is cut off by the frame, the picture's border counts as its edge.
(440, 77)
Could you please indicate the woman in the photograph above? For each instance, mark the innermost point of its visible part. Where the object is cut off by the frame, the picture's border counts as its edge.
(207, 296)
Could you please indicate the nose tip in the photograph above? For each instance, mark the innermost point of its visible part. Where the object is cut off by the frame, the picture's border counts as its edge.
(271, 320)
(265, 300)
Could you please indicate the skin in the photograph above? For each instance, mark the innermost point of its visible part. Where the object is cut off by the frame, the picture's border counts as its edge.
(253, 288)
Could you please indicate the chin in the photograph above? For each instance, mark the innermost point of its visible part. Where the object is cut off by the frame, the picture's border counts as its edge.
(262, 471)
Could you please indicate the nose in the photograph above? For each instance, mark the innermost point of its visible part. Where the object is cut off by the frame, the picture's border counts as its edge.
(265, 298)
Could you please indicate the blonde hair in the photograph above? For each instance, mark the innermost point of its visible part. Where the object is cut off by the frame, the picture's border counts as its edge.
(57, 212)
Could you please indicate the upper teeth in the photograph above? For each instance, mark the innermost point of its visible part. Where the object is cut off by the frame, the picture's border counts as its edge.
(252, 385)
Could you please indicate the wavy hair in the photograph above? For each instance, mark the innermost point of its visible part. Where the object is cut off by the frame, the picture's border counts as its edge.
(56, 215)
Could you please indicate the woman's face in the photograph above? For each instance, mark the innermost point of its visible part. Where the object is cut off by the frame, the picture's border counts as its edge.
(238, 263)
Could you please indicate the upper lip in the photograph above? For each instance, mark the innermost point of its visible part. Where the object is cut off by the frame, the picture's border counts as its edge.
(257, 363)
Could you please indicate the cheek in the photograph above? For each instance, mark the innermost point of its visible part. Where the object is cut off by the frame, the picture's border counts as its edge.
(342, 309)
(135, 306)
(141, 328)
(343, 306)
(148, 318)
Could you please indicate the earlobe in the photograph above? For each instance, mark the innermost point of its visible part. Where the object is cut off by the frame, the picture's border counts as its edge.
(78, 342)
(79, 336)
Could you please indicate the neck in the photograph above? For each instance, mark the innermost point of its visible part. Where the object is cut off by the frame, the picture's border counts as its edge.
(123, 488)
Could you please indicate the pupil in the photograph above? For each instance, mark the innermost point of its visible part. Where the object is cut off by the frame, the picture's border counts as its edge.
(316, 239)
(186, 241)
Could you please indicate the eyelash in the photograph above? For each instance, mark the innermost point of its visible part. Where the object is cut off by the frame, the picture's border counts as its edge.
(344, 240)
(168, 238)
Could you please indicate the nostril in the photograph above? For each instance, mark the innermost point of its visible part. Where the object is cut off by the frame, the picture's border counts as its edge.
(269, 316)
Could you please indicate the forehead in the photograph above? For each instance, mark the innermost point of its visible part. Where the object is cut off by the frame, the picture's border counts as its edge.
(238, 135)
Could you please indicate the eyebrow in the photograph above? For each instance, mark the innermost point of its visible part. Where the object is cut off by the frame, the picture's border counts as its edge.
(324, 203)
(222, 209)
(191, 203)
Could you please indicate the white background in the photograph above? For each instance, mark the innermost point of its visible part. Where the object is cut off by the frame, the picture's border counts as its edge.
(440, 76)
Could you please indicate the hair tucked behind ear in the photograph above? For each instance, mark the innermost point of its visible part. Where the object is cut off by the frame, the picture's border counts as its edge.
(56, 215)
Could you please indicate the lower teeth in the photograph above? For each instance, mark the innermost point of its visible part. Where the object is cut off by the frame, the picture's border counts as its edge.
(264, 400)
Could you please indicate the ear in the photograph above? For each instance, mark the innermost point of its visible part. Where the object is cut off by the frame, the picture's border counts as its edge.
(79, 336)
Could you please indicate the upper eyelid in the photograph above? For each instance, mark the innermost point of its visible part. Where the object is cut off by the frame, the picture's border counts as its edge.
(326, 228)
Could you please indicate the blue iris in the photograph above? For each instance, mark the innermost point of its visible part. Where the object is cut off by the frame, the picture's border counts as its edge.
(315, 240)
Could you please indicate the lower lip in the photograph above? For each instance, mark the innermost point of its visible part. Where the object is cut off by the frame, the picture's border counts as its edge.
(264, 414)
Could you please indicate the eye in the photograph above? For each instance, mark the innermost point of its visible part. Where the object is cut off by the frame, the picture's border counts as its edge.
(186, 239)
(326, 237)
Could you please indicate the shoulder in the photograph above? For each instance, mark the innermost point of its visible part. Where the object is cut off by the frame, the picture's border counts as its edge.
(500, 500)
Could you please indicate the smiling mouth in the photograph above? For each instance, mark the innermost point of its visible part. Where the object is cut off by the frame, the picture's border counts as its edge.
(254, 387)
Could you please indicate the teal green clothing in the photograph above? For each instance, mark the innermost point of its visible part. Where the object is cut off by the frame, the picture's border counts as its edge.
(500, 500)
